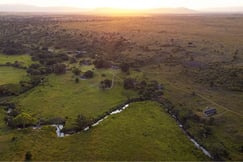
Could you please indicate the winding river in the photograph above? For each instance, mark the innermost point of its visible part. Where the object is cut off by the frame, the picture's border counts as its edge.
(59, 127)
(196, 144)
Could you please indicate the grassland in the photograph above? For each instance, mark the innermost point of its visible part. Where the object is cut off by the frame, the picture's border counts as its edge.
(24, 60)
(142, 132)
(61, 96)
(11, 75)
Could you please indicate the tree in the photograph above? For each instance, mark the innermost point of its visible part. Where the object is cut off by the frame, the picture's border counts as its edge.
(59, 68)
(23, 120)
(219, 152)
(241, 149)
(106, 84)
(82, 122)
(129, 83)
(124, 67)
(88, 74)
(101, 63)
(76, 71)
(9, 89)
(28, 156)
(72, 60)
(77, 80)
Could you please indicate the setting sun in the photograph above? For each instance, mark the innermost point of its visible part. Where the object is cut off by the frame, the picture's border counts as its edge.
(124, 4)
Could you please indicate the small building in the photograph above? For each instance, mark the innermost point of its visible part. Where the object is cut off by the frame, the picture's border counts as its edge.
(210, 111)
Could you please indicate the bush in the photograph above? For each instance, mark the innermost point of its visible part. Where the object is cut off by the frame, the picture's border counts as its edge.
(59, 68)
(77, 80)
(106, 84)
(125, 67)
(23, 120)
(241, 149)
(88, 74)
(76, 71)
(219, 152)
(100, 63)
(10, 89)
(82, 122)
(129, 83)
(72, 60)
(28, 156)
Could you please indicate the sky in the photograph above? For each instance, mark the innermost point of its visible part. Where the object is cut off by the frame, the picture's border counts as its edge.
(130, 4)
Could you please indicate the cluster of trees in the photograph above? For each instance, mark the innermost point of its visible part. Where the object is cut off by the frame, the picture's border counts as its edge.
(102, 63)
(47, 58)
(219, 152)
(125, 67)
(38, 69)
(105, 84)
(12, 48)
(21, 87)
(76, 71)
(9, 89)
(203, 129)
(85, 62)
(16, 64)
(59, 68)
(20, 120)
(146, 89)
(82, 122)
(218, 76)
(88, 74)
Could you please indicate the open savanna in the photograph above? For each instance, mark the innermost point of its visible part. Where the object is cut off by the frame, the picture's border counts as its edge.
(191, 56)
(188, 96)
(141, 132)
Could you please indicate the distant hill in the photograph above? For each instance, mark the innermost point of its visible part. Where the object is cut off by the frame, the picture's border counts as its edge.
(180, 10)
(29, 8)
(224, 10)
(147, 11)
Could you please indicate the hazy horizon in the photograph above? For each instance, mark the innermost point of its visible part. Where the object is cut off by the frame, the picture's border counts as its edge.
(132, 5)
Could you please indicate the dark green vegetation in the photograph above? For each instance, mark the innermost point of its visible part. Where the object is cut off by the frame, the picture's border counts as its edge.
(77, 68)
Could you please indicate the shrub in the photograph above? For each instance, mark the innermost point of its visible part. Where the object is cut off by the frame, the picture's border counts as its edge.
(82, 122)
(10, 89)
(28, 156)
(77, 80)
(125, 67)
(76, 71)
(106, 84)
(59, 68)
(129, 83)
(23, 120)
(219, 152)
(100, 63)
(88, 74)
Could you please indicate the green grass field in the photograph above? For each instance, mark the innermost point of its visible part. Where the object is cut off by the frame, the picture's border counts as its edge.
(142, 132)
(10, 75)
(25, 60)
(60, 96)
